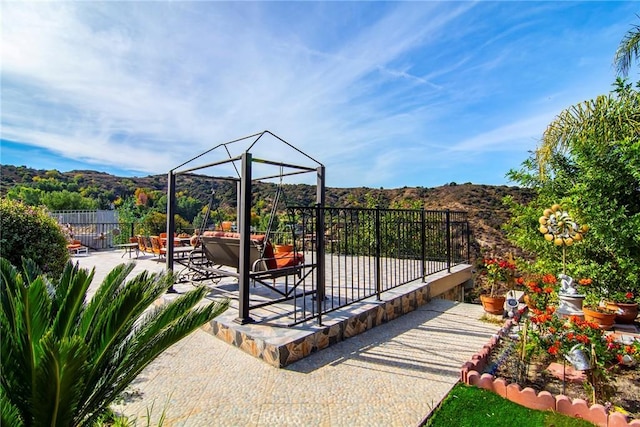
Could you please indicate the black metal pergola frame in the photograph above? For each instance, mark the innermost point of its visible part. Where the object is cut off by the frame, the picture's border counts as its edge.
(244, 202)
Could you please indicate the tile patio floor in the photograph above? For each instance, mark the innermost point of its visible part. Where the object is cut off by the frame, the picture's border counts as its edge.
(391, 375)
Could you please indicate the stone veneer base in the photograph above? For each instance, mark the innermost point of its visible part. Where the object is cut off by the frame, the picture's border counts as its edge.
(280, 346)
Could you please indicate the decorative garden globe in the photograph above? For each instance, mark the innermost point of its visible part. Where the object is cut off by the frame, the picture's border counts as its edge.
(558, 227)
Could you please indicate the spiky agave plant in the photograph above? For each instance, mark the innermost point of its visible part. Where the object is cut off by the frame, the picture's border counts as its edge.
(66, 358)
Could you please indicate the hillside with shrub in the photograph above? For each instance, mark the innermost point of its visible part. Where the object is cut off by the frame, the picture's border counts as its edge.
(100, 190)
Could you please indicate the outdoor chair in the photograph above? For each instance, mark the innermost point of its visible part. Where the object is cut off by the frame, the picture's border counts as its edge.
(76, 248)
(157, 248)
(142, 247)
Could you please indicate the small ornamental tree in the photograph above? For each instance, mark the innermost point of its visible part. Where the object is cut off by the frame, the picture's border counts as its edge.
(28, 231)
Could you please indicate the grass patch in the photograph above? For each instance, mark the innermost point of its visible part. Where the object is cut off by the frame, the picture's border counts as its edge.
(492, 318)
(473, 406)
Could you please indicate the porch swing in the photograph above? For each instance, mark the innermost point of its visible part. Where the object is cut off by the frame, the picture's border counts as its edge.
(218, 249)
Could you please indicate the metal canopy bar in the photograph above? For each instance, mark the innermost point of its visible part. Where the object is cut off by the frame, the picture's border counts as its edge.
(284, 142)
(279, 175)
(209, 165)
(217, 146)
(286, 165)
(221, 178)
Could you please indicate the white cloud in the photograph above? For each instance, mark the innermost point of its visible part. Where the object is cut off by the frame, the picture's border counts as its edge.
(369, 89)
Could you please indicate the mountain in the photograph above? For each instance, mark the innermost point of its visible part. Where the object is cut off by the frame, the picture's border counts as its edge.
(483, 203)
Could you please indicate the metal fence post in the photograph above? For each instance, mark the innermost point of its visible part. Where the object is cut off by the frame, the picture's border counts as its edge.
(423, 245)
(378, 242)
(468, 236)
(448, 233)
(320, 261)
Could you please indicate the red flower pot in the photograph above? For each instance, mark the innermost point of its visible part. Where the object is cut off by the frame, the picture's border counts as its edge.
(625, 312)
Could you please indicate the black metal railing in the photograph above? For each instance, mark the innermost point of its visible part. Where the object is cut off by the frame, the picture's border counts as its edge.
(365, 252)
(350, 254)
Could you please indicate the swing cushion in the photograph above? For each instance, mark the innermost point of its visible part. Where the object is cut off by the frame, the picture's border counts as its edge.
(281, 259)
(273, 261)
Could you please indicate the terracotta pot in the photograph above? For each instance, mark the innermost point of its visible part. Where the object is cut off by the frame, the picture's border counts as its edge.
(493, 305)
(625, 312)
(604, 320)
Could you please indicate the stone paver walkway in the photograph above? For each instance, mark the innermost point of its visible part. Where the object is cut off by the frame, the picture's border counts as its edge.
(391, 375)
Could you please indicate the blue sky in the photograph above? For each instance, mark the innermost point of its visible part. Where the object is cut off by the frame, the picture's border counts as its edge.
(385, 94)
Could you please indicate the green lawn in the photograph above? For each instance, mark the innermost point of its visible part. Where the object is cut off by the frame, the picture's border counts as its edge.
(473, 407)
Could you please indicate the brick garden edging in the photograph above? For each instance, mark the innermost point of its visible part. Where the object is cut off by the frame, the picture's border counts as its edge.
(577, 408)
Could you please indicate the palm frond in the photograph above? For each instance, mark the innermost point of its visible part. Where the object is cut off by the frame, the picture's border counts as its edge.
(9, 413)
(164, 315)
(59, 384)
(73, 285)
(628, 48)
(103, 295)
(24, 321)
(167, 327)
(109, 333)
(606, 119)
(30, 270)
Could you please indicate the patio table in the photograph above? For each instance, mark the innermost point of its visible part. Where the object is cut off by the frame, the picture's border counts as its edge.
(128, 248)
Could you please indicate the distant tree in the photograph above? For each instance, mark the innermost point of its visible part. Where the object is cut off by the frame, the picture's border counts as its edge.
(28, 195)
(67, 200)
(48, 184)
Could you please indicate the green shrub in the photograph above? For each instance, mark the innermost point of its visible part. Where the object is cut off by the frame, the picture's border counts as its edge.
(67, 355)
(27, 231)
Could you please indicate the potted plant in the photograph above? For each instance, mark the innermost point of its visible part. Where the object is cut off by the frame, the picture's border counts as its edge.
(596, 312)
(499, 275)
(624, 304)
(539, 290)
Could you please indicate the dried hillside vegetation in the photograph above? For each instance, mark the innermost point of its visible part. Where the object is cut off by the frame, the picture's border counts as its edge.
(482, 202)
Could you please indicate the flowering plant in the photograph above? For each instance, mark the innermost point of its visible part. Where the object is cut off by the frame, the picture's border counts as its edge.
(627, 297)
(539, 288)
(558, 338)
(498, 270)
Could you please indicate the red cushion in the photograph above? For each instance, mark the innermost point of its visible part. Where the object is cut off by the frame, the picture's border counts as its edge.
(288, 259)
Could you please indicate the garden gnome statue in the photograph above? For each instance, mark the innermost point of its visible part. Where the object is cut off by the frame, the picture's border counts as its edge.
(570, 300)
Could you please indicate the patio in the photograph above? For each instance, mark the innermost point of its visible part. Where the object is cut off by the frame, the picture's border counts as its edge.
(394, 374)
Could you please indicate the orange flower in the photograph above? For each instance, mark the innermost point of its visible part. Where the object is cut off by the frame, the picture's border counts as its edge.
(584, 282)
(548, 290)
(553, 350)
(583, 339)
(549, 279)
